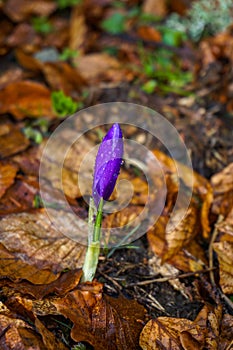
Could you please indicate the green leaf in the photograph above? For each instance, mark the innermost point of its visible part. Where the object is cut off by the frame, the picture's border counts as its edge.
(33, 134)
(63, 105)
(41, 25)
(115, 24)
(149, 86)
(67, 54)
(62, 4)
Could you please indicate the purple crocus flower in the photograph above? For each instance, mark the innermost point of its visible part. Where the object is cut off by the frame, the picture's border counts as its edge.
(107, 164)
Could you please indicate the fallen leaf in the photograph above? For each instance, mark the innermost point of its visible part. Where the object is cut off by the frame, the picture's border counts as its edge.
(16, 269)
(78, 29)
(103, 322)
(11, 75)
(223, 191)
(17, 334)
(48, 337)
(28, 161)
(20, 10)
(6, 28)
(189, 258)
(225, 228)
(12, 140)
(26, 99)
(179, 333)
(149, 33)
(61, 76)
(32, 239)
(20, 196)
(185, 231)
(23, 36)
(7, 176)
(224, 252)
(59, 36)
(156, 8)
(66, 282)
(201, 187)
(99, 66)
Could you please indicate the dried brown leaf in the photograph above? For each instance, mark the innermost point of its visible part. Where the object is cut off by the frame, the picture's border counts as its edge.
(179, 333)
(16, 269)
(20, 10)
(17, 334)
(156, 8)
(7, 176)
(64, 283)
(26, 98)
(223, 191)
(48, 337)
(201, 187)
(10, 75)
(32, 239)
(23, 36)
(20, 196)
(61, 76)
(224, 251)
(189, 258)
(78, 29)
(185, 231)
(12, 140)
(97, 67)
(104, 322)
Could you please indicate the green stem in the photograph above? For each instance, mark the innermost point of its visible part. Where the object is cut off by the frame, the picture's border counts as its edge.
(93, 249)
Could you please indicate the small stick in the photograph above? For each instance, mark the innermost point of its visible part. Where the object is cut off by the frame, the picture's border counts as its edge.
(171, 277)
(211, 251)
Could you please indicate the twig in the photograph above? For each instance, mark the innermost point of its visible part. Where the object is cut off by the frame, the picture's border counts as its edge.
(211, 259)
(116, 284)
(171, 277)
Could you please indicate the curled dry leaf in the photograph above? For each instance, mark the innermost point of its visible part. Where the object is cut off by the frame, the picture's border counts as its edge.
(172, 239)
(26, 99)
(78, 29)
(17, 334)
(169, 333)
(64, 283)
(20, 10)
(11, 75)
(74, 182)
(189, 258)
(61, 76)
(184, 232)
(156, 8)
(224, 251)
(12, 140)
(201, 187)
(24, 36)
(103, 322)
(48, 337)
(223, 191)
(7, 176)
(30, 238)
(20, 196)
(99, 66)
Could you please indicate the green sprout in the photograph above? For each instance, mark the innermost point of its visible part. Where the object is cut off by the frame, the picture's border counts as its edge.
(67, 54)
(115, 24)
(35, 130)
(62, 4)
(41, 25)
(64, 105)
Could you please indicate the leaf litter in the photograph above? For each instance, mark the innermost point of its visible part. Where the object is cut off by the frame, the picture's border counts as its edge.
(183, 278)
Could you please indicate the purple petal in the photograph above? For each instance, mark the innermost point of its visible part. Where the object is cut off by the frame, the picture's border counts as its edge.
(107, 164)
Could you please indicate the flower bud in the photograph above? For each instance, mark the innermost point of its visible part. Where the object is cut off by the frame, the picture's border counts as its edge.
(107, 164)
